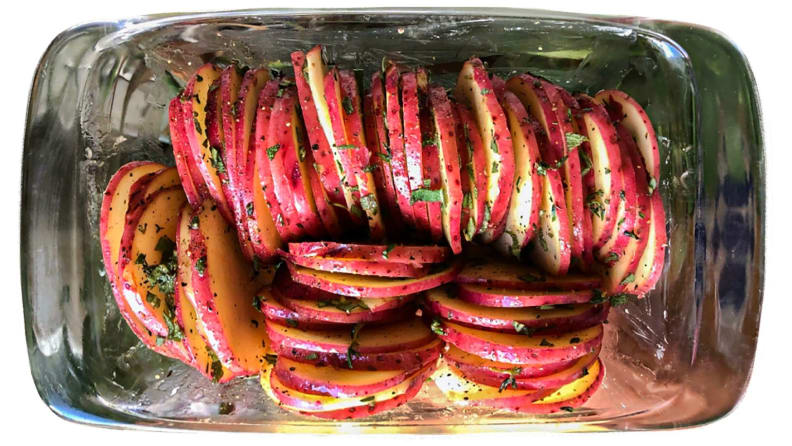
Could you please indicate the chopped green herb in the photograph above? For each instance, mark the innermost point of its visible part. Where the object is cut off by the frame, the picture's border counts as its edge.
(369, 204)
(437, 327)
(629, 279)
(194, 222)
(620, 299)
(495, 165)
(521, 328)
(467, 200)
(272, 151)
(515, 247)
(586, 161)
(345, 304)
(200, 266)
(573, 140)
(356, 211)
(216, 160)
(426, 195)
(652, 185)
(612, 257)
(249, 209)
(567, 408)
(313, 356)
(541, 167)
(291, 322)
(485, 91)
(367, 399)
(388, 249)
(631, 234)
(152, 299)
(349, 108)
(546, 343)
(385, 157)
(370, 168)
(346, 147)
(271, 359)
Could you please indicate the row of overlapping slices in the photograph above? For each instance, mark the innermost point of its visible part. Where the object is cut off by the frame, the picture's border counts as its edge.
(521, 164)
(517, 340)
(178, 276)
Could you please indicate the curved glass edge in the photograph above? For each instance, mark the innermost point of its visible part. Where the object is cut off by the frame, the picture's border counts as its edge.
(739, 161)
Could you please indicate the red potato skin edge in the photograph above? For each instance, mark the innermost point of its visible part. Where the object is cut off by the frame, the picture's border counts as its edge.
(537, 383)
(391, 312)
(586, 319)
(396, 139)
(181, 154)
(467, 126)
(432, 281)
(527, 300)
(399, 254)
(572, 402)
(360, 267)
(413, 149)
(398, 360)
(277, 339)
(515, 355)
(315, 387)
(498, 376)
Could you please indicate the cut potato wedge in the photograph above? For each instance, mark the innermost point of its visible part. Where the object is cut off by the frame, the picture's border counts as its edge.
(551, 246)
(225, 284)
(360, 267)
(572, 395)
(205, 360)
(522, 219)
(275, 311)
(147, 264)
(408, 359)
(373, 339)
(519, 348)
(534, 98)
(396, 135)
(555, 319)
(111, 227)
(474, 185)
(338, 383)
(498, 274)
(208, 159)
(390, 253)
(445, 125)
(320, 148)
(475, 90)
(370, 286)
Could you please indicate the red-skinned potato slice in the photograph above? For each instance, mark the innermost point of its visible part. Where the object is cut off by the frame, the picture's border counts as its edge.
(603, 145)
(264, 183)
(214, 115)
(626, 213)
(398, 158)
(377, 132)
(296, 166)
(210, 162)
(289, 291)
(139, 252)
(445, 125)
(245, 159)
(360, 267)
(230, 81)
(316, 72)
(181, 154)
(472, 365)
(474, 185)
(264, 235)
(474, 89)
(553, 381)
(627, 112)
(621, 265)
(281, 141)
(399, 360)
(225, 284)
(498, 274)
(320, 148)
(551, 245)
(513, 298)
(391, 253)
(345, 408)
(534, 97)
(462, 391)
(327, 314)
(275, 311)
(353, 123)
(329, 214)
(339, 383)
(432, 170)
(515, 320)
(413, 148)
(369, 286)
(572, 395)
(204, 358)
(564, 104)
(403, 335)
(523, 216)
(519, 348)
(111, 227)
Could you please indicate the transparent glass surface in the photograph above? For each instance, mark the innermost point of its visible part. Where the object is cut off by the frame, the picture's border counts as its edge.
(680, 357)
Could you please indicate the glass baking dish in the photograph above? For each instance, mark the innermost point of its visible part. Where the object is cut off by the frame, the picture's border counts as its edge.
(681, 357)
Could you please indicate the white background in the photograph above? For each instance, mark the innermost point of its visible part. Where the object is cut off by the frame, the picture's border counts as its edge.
(759, 29)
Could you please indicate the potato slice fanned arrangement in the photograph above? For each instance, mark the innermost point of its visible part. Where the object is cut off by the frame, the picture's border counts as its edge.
(351, 239)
